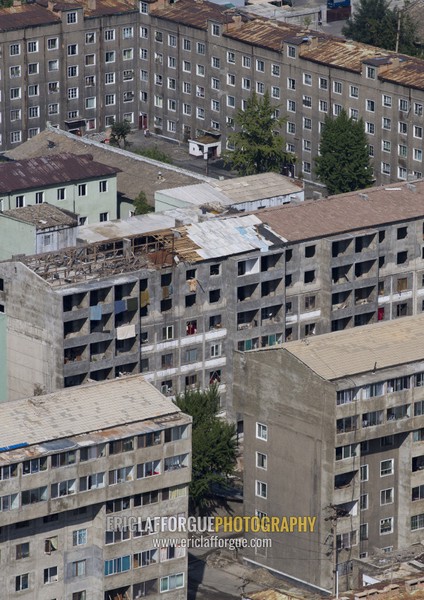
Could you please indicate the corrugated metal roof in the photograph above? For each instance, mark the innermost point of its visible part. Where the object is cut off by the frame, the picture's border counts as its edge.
(110, 230)
(81, 409)
(198, 194)
(44, 216)
(256, 187)
(220, 237)
(195, 13)
(358, 350)
(50, 170)
(346, 212)
(26, 15)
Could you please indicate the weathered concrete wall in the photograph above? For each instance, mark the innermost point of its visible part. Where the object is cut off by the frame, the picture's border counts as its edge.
(297, 407)
(34, 333)
(3, 357)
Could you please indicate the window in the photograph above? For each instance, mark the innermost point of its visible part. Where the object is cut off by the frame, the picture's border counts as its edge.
(291, 83)
(386, 496)
(110, 56)
(110, 99)
(386, 525)
(72, 93)
(371, 72)
(418, 154)
(354, 91)
(201, 48)
(127, 54)
(386, 467)
(291, 127)
(15, 93)
(50, 575)
(21, 582)
(387, 100)
(364, 473)
(22, 550)
(403, 105)
(32, 46)
(363, 531)
(260, 66)
(261, 489)
(215, 29)
(33, 90)
(275, 70)
(215, 105)
(79, 537)
(370, 128)
(307, 79)
(127, 33)
(247, 62)
(261, 460)
(90, 37)
(349, 451)
(171, 582)
(323, 106)
(34, 466)
(64, 488)
(186, 44)
(363, 502)
(386, 146)
(71, 18)
(231, 57)
(78, 568)
(385, 168)
(418, 109)
(14, 49)
(370, 105)
(337, 87)
(231, 101)
(323, 83)
(144, 53)
(15, 71)
(403, 127)
(82, 189)
(262, 431)
(33, 112)
(387, 123)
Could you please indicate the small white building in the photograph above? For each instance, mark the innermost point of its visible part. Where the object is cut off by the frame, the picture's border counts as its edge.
(240, 194)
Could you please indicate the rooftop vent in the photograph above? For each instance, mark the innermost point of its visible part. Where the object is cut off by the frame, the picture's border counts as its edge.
(411, 186)
(363, 196)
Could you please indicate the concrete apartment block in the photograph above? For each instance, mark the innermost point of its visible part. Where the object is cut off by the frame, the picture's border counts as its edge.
(182, 69)
(174, 304)
(73, 461)
(334, 428)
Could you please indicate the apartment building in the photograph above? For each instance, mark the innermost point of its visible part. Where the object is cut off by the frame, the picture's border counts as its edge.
(74, 183)
(183, 69)
(73, 461)
(333, 429)
(174, 304)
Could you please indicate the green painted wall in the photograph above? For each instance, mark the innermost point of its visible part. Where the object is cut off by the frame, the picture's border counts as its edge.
(16, 237)
(3, 358)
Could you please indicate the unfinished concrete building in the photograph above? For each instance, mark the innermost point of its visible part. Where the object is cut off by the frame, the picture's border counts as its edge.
(334, 428)
(173, 304)
(71, 461)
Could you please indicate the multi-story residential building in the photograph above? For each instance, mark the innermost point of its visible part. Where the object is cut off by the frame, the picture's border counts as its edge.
(184, 68)
(73, 466)
(334, 429)
(74, 183)
(173, 304)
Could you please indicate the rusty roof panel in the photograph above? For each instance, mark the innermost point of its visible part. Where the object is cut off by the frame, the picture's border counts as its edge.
(408, 72)
(27, 15)
(50, 170)
(341, 54)
(194, 13)
(354, 211)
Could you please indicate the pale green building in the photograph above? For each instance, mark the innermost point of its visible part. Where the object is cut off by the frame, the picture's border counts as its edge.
(72, 182)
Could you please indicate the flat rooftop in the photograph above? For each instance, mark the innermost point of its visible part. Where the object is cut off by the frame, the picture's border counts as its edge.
(372, 207)
(80, 410)
(355, 351)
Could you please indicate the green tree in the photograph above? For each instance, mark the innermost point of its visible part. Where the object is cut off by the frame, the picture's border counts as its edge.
(344, 164)
(156, 154)
(120, 131)
(213, 445)
(375, 23)
(141, 206)
(257, 146)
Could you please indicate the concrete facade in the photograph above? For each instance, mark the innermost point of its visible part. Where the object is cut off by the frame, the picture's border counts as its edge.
(17, 237)
(64, 497)
(183, 69)
(186, 298)
(343, 422)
